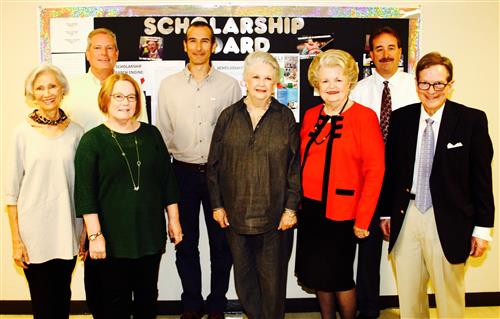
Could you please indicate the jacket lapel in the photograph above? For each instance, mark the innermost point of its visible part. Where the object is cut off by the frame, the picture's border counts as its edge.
(446, 129)
(412, 133)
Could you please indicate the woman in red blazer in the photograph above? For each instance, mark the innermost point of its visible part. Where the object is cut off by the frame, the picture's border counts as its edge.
(342, 153)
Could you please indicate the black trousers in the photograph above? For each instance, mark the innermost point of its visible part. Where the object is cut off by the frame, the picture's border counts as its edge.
(129, 287)
(94, 288)
(193, 192)
(119, 287)
(50, 288)
(368, 273)
(260, 271)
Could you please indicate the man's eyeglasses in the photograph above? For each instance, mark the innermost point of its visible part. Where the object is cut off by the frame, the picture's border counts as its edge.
(120, 97)
(438, 86)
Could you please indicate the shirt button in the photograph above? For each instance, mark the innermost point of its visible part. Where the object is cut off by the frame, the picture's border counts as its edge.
(198, 106)
(199, 123)
(201, 141)
(402, 211)
(197, 89)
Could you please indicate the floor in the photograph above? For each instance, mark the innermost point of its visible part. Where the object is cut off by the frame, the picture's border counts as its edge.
(470, 313)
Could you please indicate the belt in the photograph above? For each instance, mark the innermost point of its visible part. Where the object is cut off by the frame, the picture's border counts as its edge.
(200, 168)
(412, 196)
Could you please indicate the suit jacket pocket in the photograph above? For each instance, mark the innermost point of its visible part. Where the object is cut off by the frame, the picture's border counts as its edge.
(345, 192)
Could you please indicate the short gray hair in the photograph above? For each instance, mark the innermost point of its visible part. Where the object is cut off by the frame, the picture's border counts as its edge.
(42, 68)
(264, 57)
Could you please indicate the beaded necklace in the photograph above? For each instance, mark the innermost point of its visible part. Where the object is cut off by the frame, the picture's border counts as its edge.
(40, 119)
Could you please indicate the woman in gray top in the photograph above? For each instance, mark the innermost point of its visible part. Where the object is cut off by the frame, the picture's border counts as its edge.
(39, 194)
(253, 178)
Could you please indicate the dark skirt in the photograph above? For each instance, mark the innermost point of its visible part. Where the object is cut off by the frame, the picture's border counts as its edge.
(325, 249)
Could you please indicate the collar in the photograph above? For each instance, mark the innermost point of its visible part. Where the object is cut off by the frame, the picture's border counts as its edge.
(274, 106)
(436, 117)
(394, 80)
(189, 76)
(93, 78)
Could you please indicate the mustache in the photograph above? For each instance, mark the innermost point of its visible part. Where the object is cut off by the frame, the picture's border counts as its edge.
(386, 60)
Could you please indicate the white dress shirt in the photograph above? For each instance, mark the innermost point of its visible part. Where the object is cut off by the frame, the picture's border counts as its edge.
(368, 92)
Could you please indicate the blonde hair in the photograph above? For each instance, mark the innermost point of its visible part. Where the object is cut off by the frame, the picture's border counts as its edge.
(332, 58)
(101, 31)
(104, 97)
(33, 75)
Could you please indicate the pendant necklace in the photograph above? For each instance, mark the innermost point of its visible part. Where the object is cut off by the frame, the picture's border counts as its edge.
(318, 127)
(136, 187)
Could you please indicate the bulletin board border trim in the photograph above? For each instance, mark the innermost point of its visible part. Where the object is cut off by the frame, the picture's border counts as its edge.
(413, 14)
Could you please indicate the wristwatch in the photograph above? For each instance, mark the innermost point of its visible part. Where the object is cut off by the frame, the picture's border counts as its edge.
(94, 236)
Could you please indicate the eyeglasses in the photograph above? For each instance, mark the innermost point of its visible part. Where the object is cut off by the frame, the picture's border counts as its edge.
(438, 86)
(120, 97)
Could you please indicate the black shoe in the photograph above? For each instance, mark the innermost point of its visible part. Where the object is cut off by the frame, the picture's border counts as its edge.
(192, 315)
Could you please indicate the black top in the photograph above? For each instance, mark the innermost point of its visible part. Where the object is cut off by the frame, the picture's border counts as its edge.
(254, 174)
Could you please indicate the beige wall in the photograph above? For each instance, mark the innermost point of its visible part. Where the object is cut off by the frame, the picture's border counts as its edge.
(468, 33)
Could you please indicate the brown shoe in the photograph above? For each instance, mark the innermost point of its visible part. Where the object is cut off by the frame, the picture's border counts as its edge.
(216, 315)
(192, 315)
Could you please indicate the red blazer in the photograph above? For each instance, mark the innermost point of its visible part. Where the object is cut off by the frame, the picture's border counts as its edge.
(357, 165)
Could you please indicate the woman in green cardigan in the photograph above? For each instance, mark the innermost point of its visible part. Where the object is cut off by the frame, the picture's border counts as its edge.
(124, 183)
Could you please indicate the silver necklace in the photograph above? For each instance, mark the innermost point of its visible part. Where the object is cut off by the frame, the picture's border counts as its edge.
(255, 113)
(136, 187)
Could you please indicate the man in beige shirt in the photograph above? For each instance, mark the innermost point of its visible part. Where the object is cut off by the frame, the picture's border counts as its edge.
(189, 104)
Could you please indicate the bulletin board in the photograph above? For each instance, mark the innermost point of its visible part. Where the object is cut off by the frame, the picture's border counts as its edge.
(294, 35)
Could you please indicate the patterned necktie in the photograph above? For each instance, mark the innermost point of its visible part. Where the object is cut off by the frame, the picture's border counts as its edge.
(385, 110)
(423, 197)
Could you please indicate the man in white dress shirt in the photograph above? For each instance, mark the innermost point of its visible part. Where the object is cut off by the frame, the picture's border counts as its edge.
(385, 52)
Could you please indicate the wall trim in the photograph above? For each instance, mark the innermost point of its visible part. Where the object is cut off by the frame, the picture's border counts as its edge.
(473, 299)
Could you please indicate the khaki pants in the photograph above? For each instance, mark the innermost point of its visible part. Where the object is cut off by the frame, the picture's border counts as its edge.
(418, 256)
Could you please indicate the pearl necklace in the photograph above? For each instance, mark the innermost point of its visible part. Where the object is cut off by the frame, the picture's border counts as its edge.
(136, 187)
